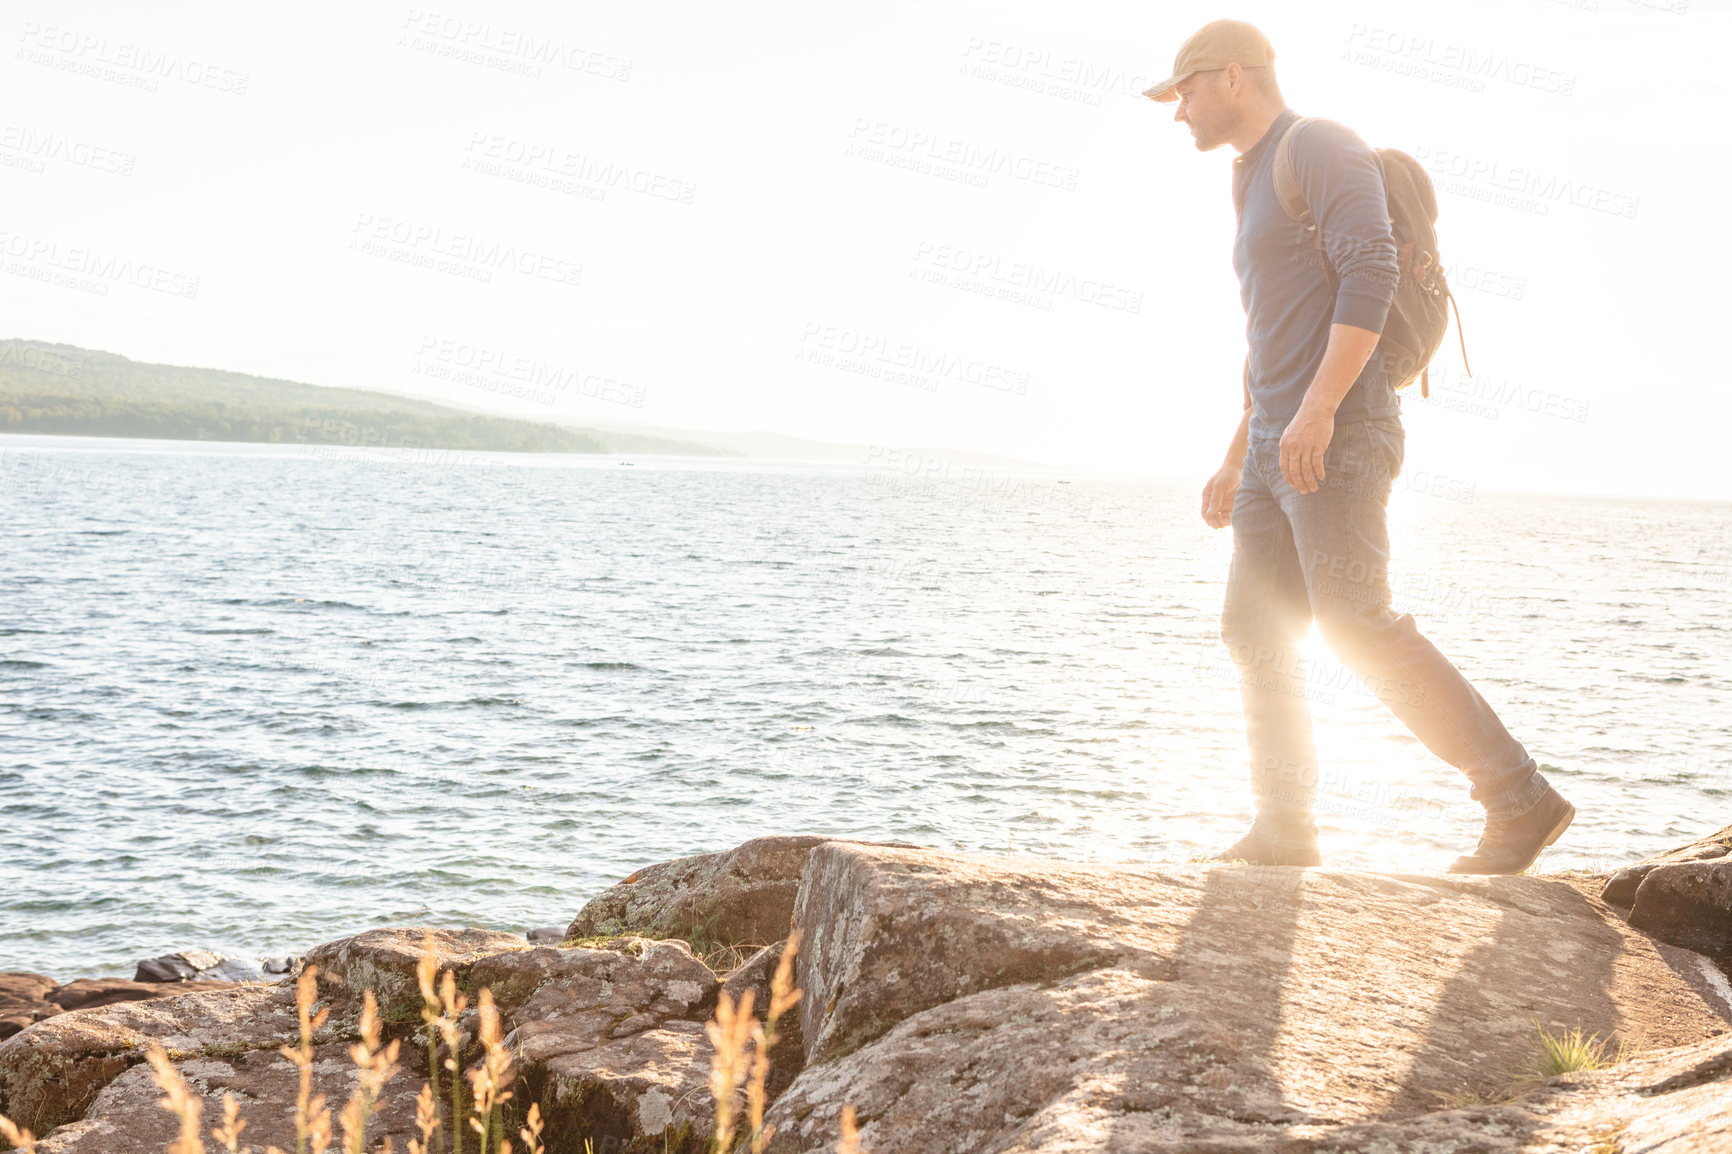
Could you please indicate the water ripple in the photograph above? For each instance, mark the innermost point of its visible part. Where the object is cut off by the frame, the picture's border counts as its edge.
(254, 699)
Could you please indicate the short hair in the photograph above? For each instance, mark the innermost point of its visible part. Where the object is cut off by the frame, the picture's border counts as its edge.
(1262, 80)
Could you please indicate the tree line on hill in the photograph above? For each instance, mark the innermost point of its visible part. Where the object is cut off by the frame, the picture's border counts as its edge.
(61, 389)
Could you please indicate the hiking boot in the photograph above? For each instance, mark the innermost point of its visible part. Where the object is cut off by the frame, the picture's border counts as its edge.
(1510, 845)
(1268, 847)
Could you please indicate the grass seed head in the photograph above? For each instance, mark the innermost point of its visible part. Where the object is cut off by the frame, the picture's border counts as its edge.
(849, 1143)
(375, 1064)
(729, 1032)
(426, 1115)
(178, 1100)
(20, 1138)
(427, 969)
(229, 1133)
(531, 1133)
(319, 1126)
(783, 994)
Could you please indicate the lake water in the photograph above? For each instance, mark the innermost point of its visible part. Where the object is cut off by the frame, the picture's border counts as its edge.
(257, 697)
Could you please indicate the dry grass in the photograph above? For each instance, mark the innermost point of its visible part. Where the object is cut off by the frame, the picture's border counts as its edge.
(742, 1056)
(229, 1133)
(850, 1141)
(437, 1012)
(725, 958)
(1459, 1099)
(312, 1119)
(376, 1064)
(531, 1132)
(21, 1139)
(722, 957)
(426, 1119)
(176, 1099)
(740, 1066)
(1468, 1099)
(730, 1032)
(489, 1079)
(1606, 1138)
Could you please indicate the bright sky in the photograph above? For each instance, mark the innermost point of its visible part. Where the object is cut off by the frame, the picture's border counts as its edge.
(936, 223)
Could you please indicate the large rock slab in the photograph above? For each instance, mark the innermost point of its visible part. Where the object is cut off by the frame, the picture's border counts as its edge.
(741, 896)
(972, 1003)
(1688, 904)
(888, 933)
(1620, 888)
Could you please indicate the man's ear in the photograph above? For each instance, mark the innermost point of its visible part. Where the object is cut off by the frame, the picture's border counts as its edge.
(1233, 78)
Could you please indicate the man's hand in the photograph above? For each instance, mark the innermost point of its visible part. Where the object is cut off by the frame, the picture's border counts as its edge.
(1307, 437)
(1218, 493)
(1302, 448)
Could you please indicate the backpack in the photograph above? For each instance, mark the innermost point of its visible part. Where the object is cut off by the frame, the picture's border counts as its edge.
(1418, 315)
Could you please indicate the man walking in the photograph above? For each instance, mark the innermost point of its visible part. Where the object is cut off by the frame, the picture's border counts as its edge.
(1306, 480)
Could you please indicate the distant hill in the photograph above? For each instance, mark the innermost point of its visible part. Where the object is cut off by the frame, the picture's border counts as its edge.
(49, 388)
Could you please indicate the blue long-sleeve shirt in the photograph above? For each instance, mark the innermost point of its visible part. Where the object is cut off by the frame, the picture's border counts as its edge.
(1290, 296)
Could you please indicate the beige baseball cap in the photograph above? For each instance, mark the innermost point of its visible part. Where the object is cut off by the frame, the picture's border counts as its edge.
(1215, 46)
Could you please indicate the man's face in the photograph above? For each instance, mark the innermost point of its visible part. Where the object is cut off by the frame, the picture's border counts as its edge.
(1206, 105)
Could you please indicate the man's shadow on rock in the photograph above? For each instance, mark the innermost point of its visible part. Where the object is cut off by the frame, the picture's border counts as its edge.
(1220, 1021)
(1473, 1042)
(1482, 1044)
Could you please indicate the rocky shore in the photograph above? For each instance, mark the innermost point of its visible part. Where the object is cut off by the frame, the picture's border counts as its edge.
(976, 1002)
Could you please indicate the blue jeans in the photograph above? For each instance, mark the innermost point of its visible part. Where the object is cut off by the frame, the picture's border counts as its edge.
(1324, 557)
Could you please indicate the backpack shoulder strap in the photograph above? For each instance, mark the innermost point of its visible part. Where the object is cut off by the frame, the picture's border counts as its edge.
(1287, 189)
